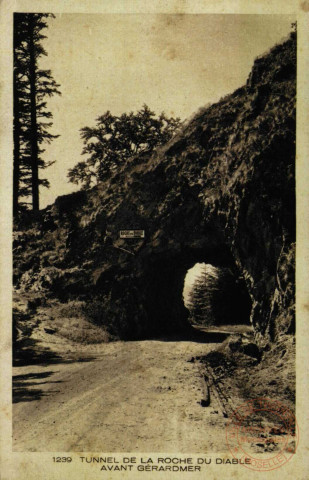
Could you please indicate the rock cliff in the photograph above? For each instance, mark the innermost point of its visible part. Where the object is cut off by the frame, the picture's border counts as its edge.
(222, 191)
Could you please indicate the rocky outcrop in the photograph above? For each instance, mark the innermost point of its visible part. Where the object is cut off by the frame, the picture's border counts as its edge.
(221, 192)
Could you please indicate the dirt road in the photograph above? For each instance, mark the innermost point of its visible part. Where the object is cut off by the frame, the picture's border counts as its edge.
(126, 396)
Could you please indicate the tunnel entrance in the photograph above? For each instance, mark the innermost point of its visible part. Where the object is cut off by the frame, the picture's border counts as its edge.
(163, 288)
(215, 296)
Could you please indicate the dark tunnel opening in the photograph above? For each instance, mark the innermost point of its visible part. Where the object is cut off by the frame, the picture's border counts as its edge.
(164, 290)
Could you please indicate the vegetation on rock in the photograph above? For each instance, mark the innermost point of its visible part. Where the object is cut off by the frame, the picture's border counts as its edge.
(116, 139)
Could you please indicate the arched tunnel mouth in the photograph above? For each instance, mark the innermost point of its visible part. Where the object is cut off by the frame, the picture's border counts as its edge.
(145, 300)
(215, 296)
(229, 302)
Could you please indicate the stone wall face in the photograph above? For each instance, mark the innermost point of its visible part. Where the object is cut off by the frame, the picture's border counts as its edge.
(221, 192)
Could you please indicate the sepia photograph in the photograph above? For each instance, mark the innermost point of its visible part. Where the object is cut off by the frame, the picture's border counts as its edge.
(154, 242)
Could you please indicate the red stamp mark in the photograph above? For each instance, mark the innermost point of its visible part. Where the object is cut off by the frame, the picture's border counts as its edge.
(264, 432)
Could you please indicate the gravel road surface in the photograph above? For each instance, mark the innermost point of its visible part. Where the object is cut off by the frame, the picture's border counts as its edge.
(118, 397)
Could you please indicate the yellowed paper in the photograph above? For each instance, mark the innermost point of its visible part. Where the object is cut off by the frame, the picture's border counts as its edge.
(87, 44)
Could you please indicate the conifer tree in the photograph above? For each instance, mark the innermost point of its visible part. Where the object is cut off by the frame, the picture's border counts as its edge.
(32, 120)
(200, 299)
(212, 297)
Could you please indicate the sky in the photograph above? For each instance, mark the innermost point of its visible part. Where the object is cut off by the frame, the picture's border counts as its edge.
(118, 62)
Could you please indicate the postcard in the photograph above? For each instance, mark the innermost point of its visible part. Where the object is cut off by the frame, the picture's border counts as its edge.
(154, 228)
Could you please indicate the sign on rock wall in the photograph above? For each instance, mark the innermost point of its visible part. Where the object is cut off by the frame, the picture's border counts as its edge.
(132, 234)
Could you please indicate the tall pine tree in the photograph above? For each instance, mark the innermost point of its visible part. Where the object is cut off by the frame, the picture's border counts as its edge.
(217, 298)
(200, 299)
(32, 120)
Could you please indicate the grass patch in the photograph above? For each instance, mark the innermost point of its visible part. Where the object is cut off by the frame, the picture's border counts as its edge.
(80, 330)
(70, 321)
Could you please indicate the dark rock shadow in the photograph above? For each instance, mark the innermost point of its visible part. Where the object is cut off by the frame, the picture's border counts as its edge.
(23, 390)
(29, 352)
